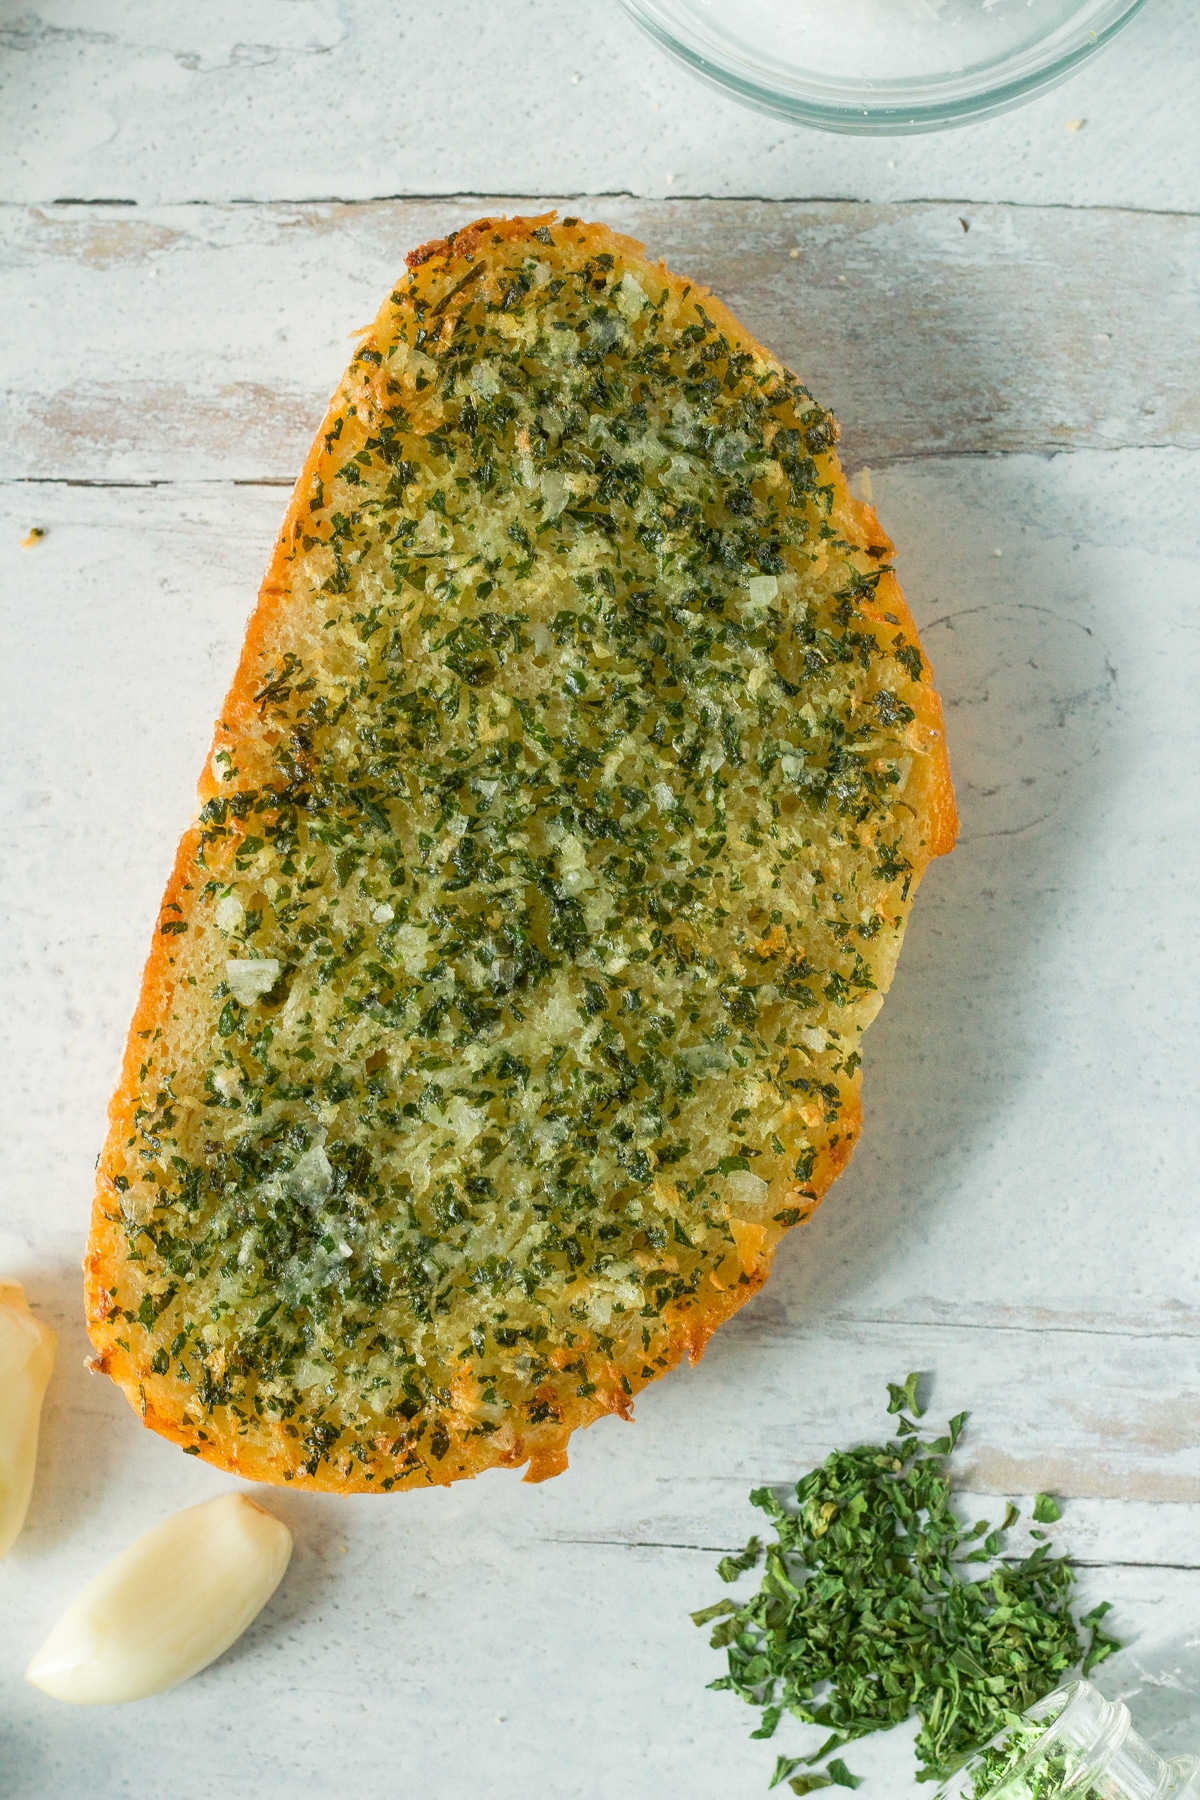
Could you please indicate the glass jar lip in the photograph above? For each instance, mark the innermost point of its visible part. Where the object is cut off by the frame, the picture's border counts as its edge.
(875, 107)
(1050, 1708)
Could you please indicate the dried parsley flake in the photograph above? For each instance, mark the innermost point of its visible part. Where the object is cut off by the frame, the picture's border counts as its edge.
(873, 1606)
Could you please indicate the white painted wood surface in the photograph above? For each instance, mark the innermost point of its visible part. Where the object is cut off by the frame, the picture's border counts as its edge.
(1019, 1219)
(159, 100)
(932, 329)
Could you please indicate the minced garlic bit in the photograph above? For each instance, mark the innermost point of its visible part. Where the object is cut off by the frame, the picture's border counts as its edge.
(167, 1606)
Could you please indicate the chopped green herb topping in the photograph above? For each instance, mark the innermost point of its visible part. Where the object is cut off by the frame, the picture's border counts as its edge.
(542, 897)
(877, 1603)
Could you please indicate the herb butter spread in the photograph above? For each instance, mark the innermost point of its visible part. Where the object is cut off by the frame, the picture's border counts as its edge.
(555, 851)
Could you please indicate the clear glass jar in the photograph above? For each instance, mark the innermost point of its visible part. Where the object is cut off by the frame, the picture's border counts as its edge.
(882, 65)
(1079, 1745)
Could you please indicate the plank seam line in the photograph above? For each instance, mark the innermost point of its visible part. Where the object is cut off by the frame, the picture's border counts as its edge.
(878, 465)
(85, 481)
(1164, 1336)
(768, 1337)
(150, 481)
(647, 1544)
(1076, 1562)
(1085, 1562)
(675, 199)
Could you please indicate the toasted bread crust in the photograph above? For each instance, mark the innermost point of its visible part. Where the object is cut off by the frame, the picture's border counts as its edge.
(267, 1452)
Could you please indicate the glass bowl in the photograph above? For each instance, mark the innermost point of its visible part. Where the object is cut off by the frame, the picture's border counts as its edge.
(883, 66)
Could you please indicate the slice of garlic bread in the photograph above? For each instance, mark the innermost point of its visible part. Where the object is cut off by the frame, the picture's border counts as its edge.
(555, 851)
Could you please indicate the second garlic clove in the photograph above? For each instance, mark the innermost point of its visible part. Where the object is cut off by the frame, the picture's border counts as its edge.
(166, 1607)
(26, 1359)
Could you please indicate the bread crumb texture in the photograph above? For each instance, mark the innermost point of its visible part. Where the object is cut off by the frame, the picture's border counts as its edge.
(554, 853)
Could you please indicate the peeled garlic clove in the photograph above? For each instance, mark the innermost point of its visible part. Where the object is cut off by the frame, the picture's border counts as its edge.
(167, 1606)
(26, 1359)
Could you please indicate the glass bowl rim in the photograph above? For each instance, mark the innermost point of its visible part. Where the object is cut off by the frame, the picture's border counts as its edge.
(883, 108)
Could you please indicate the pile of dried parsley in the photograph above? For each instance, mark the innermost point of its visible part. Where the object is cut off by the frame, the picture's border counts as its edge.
(871, 1609)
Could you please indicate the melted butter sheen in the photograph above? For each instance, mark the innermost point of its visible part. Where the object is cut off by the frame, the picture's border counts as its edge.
(572, 836)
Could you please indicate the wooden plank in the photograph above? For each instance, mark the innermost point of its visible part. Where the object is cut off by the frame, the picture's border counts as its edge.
(472, 1637)
(405, 1649)
(1019, 1216)
(201, 342)
(680, 1478)
(255, 99)
(1019, 1220)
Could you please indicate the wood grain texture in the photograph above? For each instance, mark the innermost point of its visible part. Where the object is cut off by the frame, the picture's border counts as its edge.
(202, 342)
(275, 99)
